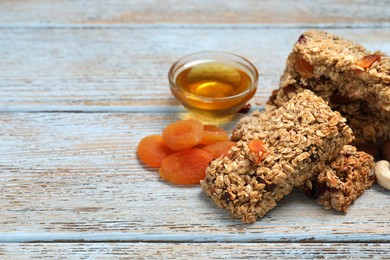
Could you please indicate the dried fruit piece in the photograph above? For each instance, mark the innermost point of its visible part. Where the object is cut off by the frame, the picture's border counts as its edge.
(368, 60)
(256, 147)
(183, 134)
(302, 39)
(212, 134)
(304, 67)
(151, 150)
(185, 167)
(218, 149)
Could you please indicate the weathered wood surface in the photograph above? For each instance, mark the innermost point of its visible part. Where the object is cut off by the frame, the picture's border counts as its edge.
(194, 251)
(125, 69)
(75, 176)
(25, 12)
(81, 82)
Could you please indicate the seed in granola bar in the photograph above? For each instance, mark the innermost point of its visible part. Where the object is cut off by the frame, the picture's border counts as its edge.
(368, 60)
(151, 150)
(304, 67)
(185, 167)
(183, 134)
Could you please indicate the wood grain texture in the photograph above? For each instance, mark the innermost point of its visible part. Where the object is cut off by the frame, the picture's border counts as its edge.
(23, 12)
(125, 69)
(194, 251)
(76, 176)
(81, 82)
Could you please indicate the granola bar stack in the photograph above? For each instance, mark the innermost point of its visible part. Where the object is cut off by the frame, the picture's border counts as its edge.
(351, 79)
(337, 185)
(329, 86)
(301, 137)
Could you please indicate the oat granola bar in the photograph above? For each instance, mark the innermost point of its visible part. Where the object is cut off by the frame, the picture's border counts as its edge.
(343, 180)
(353, 80)
(300, 138)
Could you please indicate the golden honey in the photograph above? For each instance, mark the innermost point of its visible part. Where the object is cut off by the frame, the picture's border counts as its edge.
(215, 87)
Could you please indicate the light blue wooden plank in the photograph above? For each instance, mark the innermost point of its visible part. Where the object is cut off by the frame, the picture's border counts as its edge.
(70, 176)
(29, 237)
(62, 68)
(185, 11)
(195, 250)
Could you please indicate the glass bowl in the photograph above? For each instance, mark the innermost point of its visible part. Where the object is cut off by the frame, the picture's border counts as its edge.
(213, 85)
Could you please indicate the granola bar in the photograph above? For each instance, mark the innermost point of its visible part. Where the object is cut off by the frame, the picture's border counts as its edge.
(353, 80)
(343, 181)
(300, 138)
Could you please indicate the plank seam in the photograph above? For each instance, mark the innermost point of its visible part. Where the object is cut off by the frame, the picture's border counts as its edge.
(187, 238)
(39, 26)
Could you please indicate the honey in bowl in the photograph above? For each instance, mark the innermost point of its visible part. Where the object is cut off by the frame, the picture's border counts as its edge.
(213, 85)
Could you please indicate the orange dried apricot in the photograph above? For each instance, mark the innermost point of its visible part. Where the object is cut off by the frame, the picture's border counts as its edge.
(212, 134)
(304, 67)
(257, 148)
(368, 60)
(183, 134)
(185, 167)
(152, 150)
(219, 148)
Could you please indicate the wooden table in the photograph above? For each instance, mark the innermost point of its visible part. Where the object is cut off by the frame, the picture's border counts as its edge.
(81, 82)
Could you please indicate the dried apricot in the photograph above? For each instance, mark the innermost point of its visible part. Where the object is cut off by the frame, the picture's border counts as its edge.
(183, 134)
(368, 60)
(219, 148)
(256, 147)
(212, 134)
(304, 67)
(185, 167)
(152, 150)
